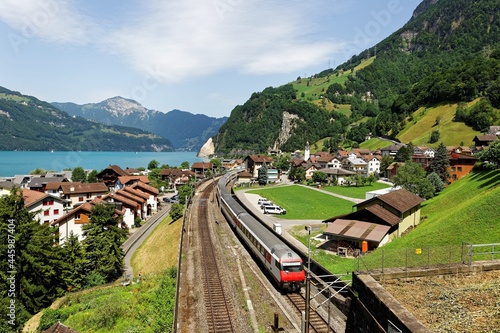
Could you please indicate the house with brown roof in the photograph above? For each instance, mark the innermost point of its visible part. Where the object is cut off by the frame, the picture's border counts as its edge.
(176, 177)
(109, 176)
(130, 180)
(152, 192)
(376, 221)
(45, 207)
(78, 193)
(484, 140)
(245, 177)
(254, 162)
(337, 176)
(75, 219)
(200, 168)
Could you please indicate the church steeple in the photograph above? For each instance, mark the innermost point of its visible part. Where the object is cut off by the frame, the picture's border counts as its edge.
(307, 153)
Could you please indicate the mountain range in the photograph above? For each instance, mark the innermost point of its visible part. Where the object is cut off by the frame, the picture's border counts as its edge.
(30, 124)
(447, 54)
(185, 130)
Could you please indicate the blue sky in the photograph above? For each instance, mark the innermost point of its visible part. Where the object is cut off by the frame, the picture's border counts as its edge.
(201, 56)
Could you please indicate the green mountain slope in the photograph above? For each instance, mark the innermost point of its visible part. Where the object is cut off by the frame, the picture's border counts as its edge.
(448, 53)
(30, 124)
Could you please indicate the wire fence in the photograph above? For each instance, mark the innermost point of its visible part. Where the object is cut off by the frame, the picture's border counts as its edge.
(427, 257)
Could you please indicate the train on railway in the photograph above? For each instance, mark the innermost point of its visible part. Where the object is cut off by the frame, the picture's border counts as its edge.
(283, 264)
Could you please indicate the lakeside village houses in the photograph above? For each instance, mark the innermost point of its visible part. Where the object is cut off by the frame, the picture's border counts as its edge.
(54, 199)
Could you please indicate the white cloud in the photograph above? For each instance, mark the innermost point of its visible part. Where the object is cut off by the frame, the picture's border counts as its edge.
(175, 40)
(50, 20)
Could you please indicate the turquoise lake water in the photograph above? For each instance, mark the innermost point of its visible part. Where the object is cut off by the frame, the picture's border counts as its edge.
(22, 162)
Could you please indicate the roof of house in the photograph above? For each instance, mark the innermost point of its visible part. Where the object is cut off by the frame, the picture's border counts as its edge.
(337, 172)
(356, 161)
(202, 165)
(85, 207)
(30, 197)
(68, 188)
(260, 158)
(245, 174)
(59, 328)
(131, 196)
(41, 181)
(459, 156)
(402, 200)
(357, 230)
(145, 188)
(120, 198)
(383, 214)
(136, 192)
(119, 171)
(7, 185)
(126, 179)
(485, 137)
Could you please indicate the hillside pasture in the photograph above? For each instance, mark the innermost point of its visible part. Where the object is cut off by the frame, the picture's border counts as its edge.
(419, 130)
(354, 191)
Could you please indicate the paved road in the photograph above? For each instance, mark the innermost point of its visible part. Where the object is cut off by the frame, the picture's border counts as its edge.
(139, 235)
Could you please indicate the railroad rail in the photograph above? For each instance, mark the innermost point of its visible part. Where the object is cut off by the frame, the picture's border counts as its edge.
(316, 322)
(220, 315)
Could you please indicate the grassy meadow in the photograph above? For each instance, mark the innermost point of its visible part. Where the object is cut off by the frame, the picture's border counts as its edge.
(355, 192)
(424, 123)
(302, 203)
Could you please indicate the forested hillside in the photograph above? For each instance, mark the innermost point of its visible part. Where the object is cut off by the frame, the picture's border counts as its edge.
(448, 53)
(30, 124)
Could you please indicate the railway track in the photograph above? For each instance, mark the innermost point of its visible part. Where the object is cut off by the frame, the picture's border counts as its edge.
(316, 322)
(219, 312)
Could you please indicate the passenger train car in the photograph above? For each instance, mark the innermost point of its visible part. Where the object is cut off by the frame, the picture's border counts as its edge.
(283, 264)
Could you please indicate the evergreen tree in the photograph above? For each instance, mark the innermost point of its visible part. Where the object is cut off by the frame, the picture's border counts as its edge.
(31, 267)
(436, 182)
(79, 175)
(262, 174)
(102, 243)
(411, 176)
(441, 162)
(92, 177)
(73, 256)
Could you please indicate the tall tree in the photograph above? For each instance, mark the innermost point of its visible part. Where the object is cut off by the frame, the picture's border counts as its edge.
(153, 164)
(30, 268)
(262, 174)
(102, 244)
(412, 177)
(441, 162)
(73, 256)
(92, 177)
(79, 175)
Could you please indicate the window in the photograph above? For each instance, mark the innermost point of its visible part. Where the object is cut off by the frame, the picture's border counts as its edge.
(80, 199)
(453, 169)
(77, 216)
(56, 211)
(459, 169)
(46, 213)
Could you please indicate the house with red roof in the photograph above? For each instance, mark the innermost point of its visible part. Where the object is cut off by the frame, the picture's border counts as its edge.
(460, 165)
(176, 177)
(45, 207)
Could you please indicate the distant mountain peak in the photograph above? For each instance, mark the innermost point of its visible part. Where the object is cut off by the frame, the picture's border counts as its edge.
(121, 106)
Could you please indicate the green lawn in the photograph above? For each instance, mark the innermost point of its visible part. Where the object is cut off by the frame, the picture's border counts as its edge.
(355, 192)
(302, 203)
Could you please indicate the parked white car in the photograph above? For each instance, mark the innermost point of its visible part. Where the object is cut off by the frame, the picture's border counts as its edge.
(274, 210)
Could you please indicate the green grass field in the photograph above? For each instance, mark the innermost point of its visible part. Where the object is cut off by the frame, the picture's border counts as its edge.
(355, 192)
(374, 144)
(452, 133)
(302, 203)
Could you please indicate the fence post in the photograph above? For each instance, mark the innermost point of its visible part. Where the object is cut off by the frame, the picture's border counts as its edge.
(406, 265)
(428, 257)
(383, 251)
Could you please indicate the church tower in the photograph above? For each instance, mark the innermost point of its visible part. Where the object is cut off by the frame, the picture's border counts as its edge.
(307, 153)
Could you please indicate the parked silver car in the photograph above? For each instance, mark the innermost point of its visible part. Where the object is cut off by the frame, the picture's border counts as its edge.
(273, 209)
